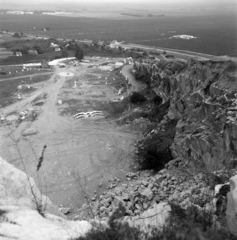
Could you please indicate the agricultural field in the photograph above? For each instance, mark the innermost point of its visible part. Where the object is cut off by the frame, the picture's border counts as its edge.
(215, 33)
(19, 71)
(16, 88)
(4, 53)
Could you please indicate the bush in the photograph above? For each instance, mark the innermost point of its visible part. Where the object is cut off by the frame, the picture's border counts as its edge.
(137, 98)
(64, 54)
(79, 53)
(116, 230)
(154, 152)
(189, 224)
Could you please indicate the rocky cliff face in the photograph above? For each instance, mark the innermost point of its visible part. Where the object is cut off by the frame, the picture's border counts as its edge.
(202, 98)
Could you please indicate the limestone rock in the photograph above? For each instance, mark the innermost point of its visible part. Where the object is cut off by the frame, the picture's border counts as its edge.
(147, 193)
(16, 189)
(231, 210)
(65, 210)
(24, 223)
(29, 131)
(117, 201)
(156, 217)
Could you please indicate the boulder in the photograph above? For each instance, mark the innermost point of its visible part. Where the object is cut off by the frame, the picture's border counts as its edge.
(29, 131)
(65, 210)
(117, 201)
(157, 216)
(147, 193)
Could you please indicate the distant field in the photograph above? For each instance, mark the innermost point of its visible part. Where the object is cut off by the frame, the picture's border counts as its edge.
(216, 34)
(33, 58)
(5, 53)
(9, 88)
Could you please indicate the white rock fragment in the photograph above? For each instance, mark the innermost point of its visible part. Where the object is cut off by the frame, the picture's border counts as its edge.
(231, 211)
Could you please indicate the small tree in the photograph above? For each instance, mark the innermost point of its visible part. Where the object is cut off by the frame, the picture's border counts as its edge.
(64, 54)
(39, 49)
(95, 43)
(79, 53)
(16, 34)
(120, 49)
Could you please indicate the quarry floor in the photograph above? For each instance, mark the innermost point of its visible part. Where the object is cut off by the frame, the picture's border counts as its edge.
(81, 155)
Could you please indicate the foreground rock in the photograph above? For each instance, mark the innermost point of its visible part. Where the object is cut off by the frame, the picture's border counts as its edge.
(23, 223)
(231, 211)
(157, 217)
(18, 189)
(24, 211)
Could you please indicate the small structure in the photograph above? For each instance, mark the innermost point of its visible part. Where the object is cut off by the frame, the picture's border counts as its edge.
(18, 54)
(187, 37)
(54, 45)
(115, 44)
(118, 64)
(44, 64)
(75, 84)
(57, 49)
(33, 52)
(62, 65)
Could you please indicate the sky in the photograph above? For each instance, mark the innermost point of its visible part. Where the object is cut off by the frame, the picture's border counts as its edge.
(209, 2)
(120, 3)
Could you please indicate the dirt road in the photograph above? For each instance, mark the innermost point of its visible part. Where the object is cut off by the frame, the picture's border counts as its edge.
(94, 149)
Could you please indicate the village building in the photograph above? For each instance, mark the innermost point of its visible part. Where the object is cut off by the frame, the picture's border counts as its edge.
(33, 52)
(54, 45)
(18, 54)
(15, 12)
(44, 64)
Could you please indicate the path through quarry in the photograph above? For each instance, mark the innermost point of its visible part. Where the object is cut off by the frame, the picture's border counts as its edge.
(80, 155)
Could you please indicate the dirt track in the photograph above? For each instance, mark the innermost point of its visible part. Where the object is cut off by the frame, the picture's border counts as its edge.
(95, 149)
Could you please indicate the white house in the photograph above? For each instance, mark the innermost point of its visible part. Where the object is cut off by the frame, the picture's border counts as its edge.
(18, 54)
(115, 44)
(187, 37)
(54, 45)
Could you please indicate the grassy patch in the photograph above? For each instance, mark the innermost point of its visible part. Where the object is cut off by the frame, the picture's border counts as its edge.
(8, 88)
(2, 212)
(17, 72)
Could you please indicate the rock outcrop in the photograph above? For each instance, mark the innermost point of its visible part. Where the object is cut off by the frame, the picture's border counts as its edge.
(18, 189)
(156, 216)
(231, 211)
(202, 98)
(23, 223)
(24, 211)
